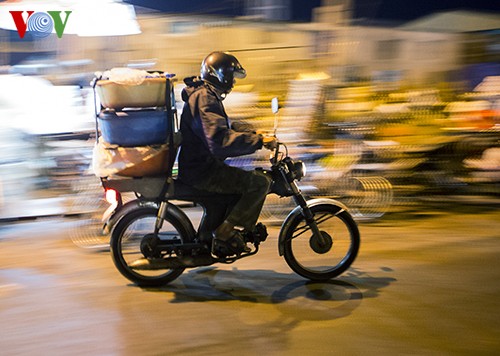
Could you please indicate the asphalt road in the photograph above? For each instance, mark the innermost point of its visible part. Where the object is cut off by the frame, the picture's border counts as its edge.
(423, 284)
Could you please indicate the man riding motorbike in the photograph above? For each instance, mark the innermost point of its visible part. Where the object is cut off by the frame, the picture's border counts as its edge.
(208, 138)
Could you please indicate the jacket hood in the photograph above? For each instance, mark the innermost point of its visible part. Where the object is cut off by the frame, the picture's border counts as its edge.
(192, 84)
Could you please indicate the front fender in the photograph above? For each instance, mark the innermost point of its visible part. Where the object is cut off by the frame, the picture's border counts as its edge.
(297, 212)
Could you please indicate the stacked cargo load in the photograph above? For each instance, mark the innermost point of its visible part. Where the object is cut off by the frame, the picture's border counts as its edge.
(134, 122)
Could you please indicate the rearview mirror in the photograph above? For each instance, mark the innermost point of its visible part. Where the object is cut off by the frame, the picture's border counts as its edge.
(275, 105)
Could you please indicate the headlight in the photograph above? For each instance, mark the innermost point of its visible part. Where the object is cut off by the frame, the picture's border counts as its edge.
(300, 170)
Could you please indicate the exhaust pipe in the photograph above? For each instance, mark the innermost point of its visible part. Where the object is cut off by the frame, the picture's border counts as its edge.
(172, 262)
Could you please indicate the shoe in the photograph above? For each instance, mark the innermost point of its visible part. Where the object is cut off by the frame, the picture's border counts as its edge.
(258, 235)
(235, 245)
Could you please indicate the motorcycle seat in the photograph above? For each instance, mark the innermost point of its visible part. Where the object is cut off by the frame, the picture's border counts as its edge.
(178, 190)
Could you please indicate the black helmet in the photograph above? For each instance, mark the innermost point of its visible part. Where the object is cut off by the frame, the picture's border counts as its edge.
(220, 69)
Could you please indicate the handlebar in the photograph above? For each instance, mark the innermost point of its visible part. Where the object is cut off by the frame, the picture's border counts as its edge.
(275, 156)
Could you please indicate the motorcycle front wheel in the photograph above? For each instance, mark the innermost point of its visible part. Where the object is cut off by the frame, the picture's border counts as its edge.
(127, 242)
(325, 258)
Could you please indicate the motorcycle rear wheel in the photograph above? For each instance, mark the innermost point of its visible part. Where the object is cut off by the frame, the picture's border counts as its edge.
(321, 262)
(126, 242)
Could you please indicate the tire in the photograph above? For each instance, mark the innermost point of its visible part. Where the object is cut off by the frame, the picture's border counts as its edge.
(126, 241)
(320, 263)
(87, 204)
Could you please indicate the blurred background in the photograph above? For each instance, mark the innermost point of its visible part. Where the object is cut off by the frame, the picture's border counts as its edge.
(391, 105)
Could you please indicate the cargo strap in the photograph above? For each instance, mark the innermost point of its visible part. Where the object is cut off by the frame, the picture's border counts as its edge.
(171, 141)
(96, 112)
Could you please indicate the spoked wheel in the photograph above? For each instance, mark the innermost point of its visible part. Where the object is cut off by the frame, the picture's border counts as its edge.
(133, 242)
(325, 257)
(87, 203)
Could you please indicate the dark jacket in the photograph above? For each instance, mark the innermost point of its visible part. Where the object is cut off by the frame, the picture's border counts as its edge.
(208, 138)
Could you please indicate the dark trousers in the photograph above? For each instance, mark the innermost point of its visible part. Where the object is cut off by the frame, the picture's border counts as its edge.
(252, 186)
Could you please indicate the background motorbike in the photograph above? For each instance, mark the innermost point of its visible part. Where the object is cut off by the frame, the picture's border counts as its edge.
(154, 240)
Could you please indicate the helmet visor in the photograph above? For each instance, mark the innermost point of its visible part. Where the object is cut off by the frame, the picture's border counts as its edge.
(239, 72)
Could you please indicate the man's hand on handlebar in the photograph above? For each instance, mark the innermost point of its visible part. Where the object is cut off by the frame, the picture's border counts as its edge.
(270, 142)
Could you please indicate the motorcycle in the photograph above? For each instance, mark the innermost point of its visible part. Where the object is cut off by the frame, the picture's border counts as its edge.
(153, 240)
